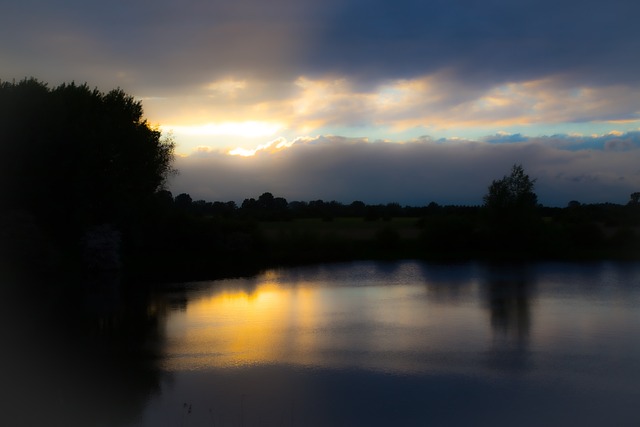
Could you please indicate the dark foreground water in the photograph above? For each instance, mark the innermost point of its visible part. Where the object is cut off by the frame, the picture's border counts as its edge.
(358, 344)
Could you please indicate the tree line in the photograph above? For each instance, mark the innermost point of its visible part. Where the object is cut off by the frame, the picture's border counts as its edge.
(268, 207)
(510, 224)
(83, 188)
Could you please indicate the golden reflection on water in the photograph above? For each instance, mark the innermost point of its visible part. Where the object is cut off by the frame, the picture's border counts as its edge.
(401, 320)
(235, 327)
(382, 327)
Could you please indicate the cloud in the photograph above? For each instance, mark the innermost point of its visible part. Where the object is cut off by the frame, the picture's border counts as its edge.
(261, 76)
(246, 128)
(612, 141)
(432, 103)
(271, 146)
(436, 102)
(485, 43)
(415, 172)
(228, 88)
(163, 47)
(319, 67)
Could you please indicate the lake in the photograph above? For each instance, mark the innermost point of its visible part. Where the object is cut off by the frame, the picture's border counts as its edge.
(356, 344)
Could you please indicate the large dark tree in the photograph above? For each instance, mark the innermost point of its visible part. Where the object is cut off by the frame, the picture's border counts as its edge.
(75, 157)
(77, 151)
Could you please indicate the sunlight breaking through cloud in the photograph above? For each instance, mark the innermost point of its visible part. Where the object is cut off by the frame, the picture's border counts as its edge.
(245, 129)
(392, 109)
(590, 169)
(436, 102)
(271, 146)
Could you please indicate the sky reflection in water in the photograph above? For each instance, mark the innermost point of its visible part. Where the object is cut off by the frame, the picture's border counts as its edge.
(406, 344)
(366, 319)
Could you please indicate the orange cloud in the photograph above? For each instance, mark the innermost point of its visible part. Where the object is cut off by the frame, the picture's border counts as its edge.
(253, 109)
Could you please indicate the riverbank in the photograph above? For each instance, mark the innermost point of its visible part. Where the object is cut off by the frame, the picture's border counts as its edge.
(179, 246)
(241, 249)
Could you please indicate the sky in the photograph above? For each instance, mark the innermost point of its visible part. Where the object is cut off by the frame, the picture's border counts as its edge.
(410, 101)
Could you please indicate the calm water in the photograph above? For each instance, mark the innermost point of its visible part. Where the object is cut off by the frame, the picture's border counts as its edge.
(358, 344)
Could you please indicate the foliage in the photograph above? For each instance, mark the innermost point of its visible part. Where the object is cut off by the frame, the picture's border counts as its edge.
(512, 220)
(512, 194)
(266, 207)
(76, 154)
(74, 158)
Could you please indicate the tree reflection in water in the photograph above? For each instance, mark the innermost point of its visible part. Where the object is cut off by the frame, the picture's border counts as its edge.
(508, 294)
(80, 358)
(408, 344)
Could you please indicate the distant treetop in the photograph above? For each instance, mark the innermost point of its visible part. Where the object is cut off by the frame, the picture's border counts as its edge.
(514, 192)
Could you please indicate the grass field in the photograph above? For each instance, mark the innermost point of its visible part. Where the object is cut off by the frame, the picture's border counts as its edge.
(355, 229)
(315, 239)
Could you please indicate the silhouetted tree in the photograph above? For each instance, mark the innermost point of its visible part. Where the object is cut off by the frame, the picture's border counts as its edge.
(183, 201)
(357, 208)
(265, 201)
(634, 199)
(165, 198)
(392, 210)
(271, 208)
(78, 151)
(249, 204)
(76, 157)
(510, 204)
(512, 194)
(266, 207)
(433, 208)
(573, 204)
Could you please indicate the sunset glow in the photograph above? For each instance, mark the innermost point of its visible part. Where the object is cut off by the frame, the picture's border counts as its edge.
(300, 82)
(251, 327)
(270, 324)
(249, 129)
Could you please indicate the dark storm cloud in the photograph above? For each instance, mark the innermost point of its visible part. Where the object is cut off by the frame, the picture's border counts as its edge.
(159, 44)
(415, 173)
(488, 41)
(165, 44)
(318, 67)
